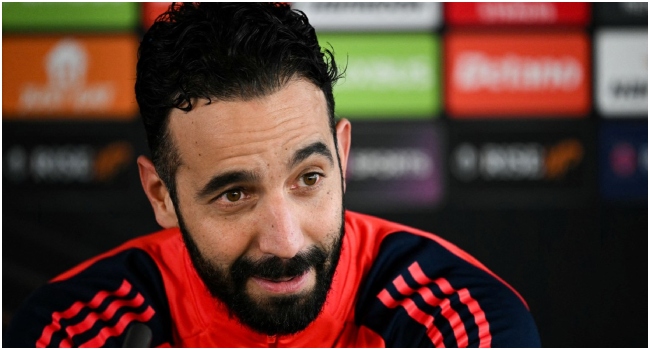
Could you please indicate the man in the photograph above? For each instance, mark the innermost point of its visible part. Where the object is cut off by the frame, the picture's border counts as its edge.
(247, 178)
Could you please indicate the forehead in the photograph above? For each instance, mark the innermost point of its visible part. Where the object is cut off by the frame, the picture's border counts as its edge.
(222, 130)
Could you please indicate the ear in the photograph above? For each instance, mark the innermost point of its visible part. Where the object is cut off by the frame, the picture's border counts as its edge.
(344, 138)
(157, 193)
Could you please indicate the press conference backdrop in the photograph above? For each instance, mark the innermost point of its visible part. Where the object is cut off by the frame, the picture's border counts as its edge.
(518, 131)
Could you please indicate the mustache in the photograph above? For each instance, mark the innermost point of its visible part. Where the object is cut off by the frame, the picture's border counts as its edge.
(276, 268)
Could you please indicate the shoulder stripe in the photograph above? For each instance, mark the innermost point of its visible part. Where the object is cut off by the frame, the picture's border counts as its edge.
(479, 317)
(467, 257)
(119, 328)
(94, 316)
(446, 309)
(105, 315)
(416, 314)
(73, 310)
(465, 298)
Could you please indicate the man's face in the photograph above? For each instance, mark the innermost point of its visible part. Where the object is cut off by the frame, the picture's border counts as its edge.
(259, 203)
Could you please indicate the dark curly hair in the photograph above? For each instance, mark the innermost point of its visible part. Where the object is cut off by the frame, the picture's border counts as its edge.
(222, 51)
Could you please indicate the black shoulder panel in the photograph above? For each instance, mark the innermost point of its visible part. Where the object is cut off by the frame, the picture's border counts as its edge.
(95, 307)
(420, 294)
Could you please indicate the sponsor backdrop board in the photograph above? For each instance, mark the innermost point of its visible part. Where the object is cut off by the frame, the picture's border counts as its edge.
(517, 13)
(517, 75)
(395, 167)
(522, 163)
(556, 194)
(69, 77)
(621, 72)
(77, 16)
(391, 75)
(372, 16)
(623, 160)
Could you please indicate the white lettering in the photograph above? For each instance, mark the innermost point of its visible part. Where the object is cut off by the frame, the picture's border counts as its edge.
(62, 164)
(389, 7)
(387, 73)
(516, 161)
(465, 162)
(16, 158)
(516, 12)
(476, 71)
(389, 164)
(66, 65)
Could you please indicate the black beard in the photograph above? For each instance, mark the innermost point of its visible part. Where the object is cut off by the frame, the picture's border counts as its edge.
(280, 315)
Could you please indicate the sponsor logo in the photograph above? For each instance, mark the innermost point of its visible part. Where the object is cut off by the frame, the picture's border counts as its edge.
(516, 13)
(66, 67)
(476, 71)
(629, 89)
(67, 164)
(336, 16)
(387, 75)
(394, 166)
(622, 72)
(367, 6)
(69, 77)
(381, 73)
(390, 164)
(517, 75)
(526, 161)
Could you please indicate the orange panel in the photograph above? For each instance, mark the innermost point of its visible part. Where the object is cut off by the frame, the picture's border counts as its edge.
(72, 77)
(517, 75)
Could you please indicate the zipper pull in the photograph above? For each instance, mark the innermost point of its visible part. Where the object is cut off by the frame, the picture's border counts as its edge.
(272, 340)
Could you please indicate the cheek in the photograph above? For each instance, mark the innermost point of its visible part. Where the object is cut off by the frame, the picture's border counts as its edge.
(323, 218)
(220, 241)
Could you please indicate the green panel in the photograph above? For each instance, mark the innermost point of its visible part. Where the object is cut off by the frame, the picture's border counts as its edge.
(52, 16)
(394, 76)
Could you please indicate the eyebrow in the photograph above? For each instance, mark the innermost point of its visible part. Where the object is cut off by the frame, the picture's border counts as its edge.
(244, 176)
(220, 181)
(307, 151)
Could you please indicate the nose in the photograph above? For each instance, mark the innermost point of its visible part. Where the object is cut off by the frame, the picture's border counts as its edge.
(279, 231)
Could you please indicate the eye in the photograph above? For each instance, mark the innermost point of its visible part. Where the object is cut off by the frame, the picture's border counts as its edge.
(310, 179)
(233, 196)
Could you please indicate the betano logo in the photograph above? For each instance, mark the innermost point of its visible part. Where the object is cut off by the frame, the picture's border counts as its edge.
(69, 77)
(511, 72)
(67, 164)
(517, 75)
(525, 161)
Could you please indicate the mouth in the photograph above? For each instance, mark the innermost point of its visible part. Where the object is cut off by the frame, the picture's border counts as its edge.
(284, 285)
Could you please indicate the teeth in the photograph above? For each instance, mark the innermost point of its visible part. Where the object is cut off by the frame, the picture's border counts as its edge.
(283, 279)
